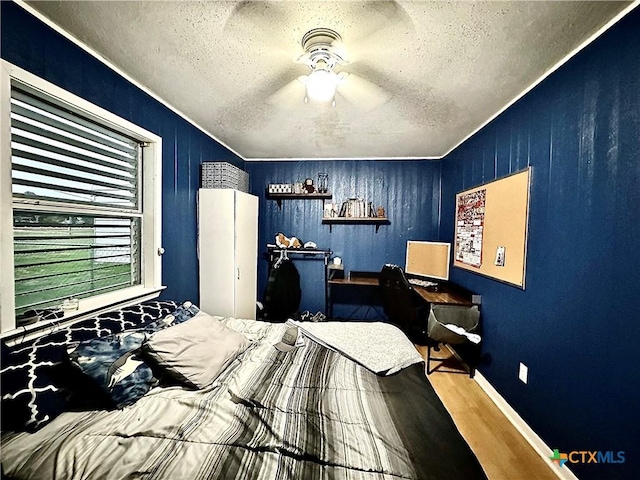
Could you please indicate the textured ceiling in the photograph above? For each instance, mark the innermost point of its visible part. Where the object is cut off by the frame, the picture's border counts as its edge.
(424, 74)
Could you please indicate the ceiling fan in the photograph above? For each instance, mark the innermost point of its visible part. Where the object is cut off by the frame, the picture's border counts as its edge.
(352, 71)
(323, 52)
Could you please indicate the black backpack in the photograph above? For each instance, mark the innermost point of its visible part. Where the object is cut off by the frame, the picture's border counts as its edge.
(282, 294)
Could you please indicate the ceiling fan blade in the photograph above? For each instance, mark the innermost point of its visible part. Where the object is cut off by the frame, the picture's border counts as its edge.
(362, 93)
(255, 14)
(377, 23)
(290, 95)
(252, 23)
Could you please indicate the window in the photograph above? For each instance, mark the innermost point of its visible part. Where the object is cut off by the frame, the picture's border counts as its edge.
(84, 195)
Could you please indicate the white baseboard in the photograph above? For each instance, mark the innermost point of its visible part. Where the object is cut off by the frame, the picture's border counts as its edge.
(525, 430)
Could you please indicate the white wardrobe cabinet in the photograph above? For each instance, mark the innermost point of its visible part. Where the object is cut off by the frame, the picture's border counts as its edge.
(228, 252)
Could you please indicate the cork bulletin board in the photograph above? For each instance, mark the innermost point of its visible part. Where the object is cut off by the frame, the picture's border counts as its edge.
(491, 228)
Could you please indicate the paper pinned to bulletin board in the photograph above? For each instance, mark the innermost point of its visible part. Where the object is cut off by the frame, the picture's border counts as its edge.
(470, 209)
(491, 228)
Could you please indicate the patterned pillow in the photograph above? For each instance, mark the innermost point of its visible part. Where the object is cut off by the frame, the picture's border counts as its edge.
(181, 314)
(32, 391)
(113, 363)
(21, 387)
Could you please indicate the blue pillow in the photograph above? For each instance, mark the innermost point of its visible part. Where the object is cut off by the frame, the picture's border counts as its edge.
(29, 399)
(37, 385)
(113, 363)
(181, 314)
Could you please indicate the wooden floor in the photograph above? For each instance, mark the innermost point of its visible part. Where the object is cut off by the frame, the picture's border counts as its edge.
(503, 453)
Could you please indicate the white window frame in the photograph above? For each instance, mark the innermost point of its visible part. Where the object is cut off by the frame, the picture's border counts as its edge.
(151, 274)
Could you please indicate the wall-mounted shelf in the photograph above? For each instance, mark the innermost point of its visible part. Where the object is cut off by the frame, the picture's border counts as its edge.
(297, 196)
(377, 221)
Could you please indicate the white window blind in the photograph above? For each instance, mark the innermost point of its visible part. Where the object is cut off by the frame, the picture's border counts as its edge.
(77, 204)
(59, 156)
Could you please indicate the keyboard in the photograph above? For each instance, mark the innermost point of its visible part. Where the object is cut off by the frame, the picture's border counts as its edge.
(421, 283)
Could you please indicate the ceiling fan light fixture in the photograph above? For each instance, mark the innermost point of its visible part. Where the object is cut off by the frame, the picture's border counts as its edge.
(321, 56)
(321, 85)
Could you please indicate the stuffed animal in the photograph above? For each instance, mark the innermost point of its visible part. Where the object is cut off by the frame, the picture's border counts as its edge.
(284, 242)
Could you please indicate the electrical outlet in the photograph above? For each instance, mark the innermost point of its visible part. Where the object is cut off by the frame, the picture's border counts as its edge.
(523, 373)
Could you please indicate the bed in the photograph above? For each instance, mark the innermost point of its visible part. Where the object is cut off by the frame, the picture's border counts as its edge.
(299, 400)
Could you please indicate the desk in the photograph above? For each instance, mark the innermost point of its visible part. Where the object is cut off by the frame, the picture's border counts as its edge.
(443, 294)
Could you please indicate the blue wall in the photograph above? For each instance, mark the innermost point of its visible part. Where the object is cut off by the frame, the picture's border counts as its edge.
(408, 190)
(576, 325)
(33, 46)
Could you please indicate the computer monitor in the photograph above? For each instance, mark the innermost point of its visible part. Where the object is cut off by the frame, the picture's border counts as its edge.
(428, 260)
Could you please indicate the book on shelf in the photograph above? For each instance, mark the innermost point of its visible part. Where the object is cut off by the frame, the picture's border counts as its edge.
(351, 208)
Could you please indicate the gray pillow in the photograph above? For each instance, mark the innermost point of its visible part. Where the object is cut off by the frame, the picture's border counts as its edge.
(194, 353)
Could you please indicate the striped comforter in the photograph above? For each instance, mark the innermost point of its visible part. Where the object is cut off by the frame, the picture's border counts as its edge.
(310, 413)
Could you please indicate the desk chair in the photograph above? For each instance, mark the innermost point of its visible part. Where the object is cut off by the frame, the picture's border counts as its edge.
(422, 322)
(402, 305)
